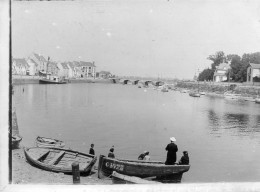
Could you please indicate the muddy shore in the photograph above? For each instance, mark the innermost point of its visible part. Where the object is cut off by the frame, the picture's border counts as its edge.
(25, 173)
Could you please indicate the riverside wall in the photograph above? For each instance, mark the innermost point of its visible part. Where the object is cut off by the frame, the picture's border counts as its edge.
(221, 88)
(35, 80)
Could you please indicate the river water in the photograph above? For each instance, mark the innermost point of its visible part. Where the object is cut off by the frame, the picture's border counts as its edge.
(222, 136)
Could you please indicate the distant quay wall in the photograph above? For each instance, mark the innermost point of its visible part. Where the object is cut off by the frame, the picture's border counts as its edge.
(221, 88)
(20, 80)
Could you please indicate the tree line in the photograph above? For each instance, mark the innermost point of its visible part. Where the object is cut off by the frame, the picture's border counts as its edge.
(239, 65)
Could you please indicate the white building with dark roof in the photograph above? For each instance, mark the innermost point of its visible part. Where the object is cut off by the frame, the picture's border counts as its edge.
(20, 66)
(253, 73)
(40, 61)
(88, 69)
(221, 72)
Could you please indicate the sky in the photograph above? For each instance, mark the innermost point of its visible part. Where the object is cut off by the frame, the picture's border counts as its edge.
(148, 38)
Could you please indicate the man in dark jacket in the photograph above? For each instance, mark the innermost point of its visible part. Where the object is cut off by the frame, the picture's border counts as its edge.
(171, 155)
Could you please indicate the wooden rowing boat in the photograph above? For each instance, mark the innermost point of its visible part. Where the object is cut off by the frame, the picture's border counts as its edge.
(59, 160)
(138, 168)
(48, 142)
(118, 178)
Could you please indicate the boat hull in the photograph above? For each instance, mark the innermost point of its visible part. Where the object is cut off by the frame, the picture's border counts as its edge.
(194, 94)
(46, 81)
(49, 142)
(118, 178)
(59, 160)
(138, 168)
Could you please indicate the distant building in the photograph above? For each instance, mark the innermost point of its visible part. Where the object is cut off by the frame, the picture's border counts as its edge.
(64, 69)
(53, 68)
(221, 72)
(41, 62)
(88, 69)
(104, 74)
(253, 73)
(20, 67)
(32, 66)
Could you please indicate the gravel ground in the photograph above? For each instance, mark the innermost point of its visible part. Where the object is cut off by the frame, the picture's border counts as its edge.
(24, 173)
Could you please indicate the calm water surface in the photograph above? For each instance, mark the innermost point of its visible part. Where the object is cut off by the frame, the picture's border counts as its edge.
(222, 136)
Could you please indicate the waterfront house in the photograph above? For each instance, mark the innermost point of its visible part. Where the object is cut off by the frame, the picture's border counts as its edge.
(253, 73)
(40, 61)
(71, 70)
(53, 68)
(221, 72)
(20, 67)
(88, 69)
(77, 69)
(104, 74)
(32, 66)
(63, 69)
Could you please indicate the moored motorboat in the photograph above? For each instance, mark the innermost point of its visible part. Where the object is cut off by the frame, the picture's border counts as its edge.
(48, 142)
(164, 89)
(118, 178)
(194, 94)
(51, 81)
(59, 160)
(139, 168)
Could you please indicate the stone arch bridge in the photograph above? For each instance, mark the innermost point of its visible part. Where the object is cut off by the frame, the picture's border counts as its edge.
(145, 82)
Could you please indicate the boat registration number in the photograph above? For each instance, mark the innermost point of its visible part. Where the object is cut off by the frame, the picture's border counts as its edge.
(114, 166)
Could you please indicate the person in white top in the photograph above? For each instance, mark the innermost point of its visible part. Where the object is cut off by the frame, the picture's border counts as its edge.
(147, 157)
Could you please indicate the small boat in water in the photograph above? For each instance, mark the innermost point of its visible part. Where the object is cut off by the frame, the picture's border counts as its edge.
(257, 100)
(139, 168)
(228, 95)
(194, 94)
(59, 160)
(118, 178)
(184, 91)
(52, 80)
(49, 142)
(202, 93)
(164, 89)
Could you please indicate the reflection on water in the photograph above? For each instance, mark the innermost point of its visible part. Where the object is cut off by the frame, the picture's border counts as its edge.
(236, 124)
(134, 120)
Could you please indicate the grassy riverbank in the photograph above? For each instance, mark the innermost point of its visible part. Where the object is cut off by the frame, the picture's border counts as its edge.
(24, 173)
(221, 88)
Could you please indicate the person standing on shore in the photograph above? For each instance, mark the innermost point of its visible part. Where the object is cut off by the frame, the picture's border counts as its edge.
(91, 150)
(171, 155)
(111, 153)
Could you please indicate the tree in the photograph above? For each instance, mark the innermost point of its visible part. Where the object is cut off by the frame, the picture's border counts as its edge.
(206, 75)
(218, 58)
